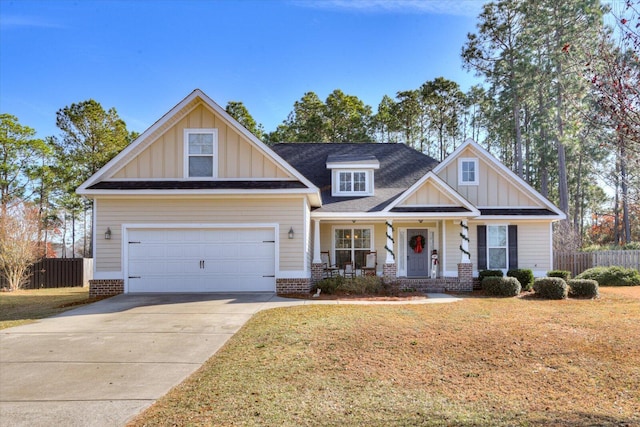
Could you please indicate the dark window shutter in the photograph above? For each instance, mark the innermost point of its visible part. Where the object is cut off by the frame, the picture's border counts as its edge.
(482, 247)
(513, 246)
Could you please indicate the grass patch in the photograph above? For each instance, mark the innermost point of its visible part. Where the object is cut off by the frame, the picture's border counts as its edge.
(25, 306)
(475, 362)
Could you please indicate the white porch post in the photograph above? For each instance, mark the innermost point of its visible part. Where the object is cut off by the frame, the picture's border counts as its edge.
(391, 259)
(316, 242)
(464, 244)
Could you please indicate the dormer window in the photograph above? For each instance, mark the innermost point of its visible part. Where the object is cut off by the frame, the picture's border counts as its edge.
(468, 171)
(201, 152)
(353, 182)
(352, 175)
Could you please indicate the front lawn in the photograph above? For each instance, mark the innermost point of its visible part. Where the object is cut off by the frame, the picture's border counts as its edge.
(25, 306)
(480, 361)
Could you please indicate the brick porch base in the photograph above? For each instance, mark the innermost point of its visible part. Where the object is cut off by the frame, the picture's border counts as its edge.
(105, 287)
(293, 286)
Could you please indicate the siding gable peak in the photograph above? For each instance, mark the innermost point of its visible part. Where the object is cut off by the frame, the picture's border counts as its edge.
(158, 153)
(506, 189)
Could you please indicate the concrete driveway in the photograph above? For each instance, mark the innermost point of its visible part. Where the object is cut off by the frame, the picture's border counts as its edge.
(101, 364)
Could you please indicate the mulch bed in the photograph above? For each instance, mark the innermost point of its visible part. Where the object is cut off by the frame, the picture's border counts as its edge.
(404, 296)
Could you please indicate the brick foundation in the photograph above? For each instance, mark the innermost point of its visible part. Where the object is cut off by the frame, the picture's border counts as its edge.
(389, 272)
(293, 286)
(463, 283)
(465, 277)
(105, 287)
(441, 284)
(317, 271)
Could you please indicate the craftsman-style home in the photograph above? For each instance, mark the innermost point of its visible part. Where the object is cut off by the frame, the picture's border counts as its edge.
(198, 204)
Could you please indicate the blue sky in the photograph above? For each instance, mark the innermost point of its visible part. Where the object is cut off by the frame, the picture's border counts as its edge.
(143, 57)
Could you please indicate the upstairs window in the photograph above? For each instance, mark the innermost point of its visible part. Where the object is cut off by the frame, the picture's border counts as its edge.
(352, 183)
(468, 172)
(201, 148)
(352, 174)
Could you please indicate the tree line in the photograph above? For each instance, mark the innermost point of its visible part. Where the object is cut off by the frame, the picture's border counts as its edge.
(559, 105)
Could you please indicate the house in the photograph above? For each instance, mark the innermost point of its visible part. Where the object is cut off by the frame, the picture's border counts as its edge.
(198, 204)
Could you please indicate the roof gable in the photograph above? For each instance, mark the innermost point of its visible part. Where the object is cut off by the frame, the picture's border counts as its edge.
(432, 194)
(158, 153)
(498, 186)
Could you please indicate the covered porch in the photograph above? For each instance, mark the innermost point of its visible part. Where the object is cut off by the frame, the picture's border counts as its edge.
(422, 253)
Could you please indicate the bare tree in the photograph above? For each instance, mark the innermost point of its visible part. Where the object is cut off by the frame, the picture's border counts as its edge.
(19, 246)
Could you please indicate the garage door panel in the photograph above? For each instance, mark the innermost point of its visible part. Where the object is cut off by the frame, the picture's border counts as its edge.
(201, 260)
(183, 251)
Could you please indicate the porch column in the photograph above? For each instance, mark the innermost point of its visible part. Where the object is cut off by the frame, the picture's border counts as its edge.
(465, 269)
(316, 242)
(464, 244)
(391, 258)
(389, 269)
(317, 267)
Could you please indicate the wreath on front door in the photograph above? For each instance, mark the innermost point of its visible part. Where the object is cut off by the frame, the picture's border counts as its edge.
(417, 243)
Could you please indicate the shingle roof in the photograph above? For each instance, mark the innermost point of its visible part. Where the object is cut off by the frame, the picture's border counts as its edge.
(400, 167)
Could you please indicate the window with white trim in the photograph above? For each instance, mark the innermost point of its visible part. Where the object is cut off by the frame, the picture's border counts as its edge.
(201, 150)
(497, 248)
(352, 182)
(352, 244)
(468, 171)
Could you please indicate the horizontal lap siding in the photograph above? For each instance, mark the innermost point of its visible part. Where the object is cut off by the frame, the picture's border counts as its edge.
(534, 243)
(452, 242)
(112, 213)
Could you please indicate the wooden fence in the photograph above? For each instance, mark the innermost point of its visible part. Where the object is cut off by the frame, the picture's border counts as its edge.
(57, 273)
(577, 262)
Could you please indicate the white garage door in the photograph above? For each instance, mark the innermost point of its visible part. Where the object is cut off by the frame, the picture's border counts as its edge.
(201, 260)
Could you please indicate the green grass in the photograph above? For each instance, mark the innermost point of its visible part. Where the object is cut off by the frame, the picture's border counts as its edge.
(481, 361)
(25, 306)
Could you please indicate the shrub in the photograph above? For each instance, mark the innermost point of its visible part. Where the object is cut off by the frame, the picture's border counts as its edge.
(501, 286)
(524, 276)
(551, 287)
(329, 285)
(362, 285)
(358, 285)
(563, 274)
(583, 288)
(612, 276)
(489, 273)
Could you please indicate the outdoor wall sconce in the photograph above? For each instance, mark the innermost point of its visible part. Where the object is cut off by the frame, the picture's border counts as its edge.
(291, 233)
(107, 234)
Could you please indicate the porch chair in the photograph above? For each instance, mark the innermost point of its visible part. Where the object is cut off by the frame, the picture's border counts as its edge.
(371, 264)
(328, 270)
(349, 270)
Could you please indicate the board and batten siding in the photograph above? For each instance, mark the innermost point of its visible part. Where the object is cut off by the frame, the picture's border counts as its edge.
(237, 157)
(112, 213)
(533, 244)
(493, 189)
(428, 195)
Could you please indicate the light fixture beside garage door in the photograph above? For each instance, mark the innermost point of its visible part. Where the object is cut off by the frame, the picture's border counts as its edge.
(291, 234)
(107, 234)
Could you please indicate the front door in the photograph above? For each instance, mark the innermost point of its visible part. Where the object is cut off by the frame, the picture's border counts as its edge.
(417, 253)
